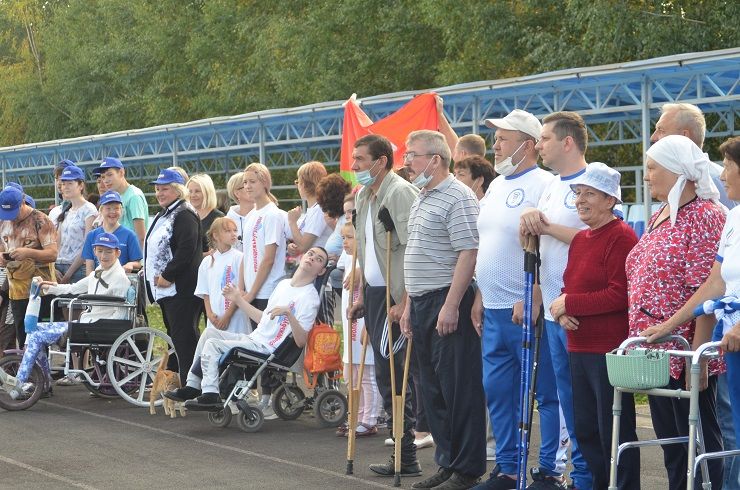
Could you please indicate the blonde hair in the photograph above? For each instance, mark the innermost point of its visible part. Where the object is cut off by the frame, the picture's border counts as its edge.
(182, 191)
(310, 174)
(219, 224)
(207, 188)
(688, 117)
(263, 175)
(235, 181)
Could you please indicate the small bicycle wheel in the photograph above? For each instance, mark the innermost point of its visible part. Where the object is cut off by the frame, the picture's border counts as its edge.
(330, 408)
(10, 365)
(250, 420)
(288, 402)
(222, 418)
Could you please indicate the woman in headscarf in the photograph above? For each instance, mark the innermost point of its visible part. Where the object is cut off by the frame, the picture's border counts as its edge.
(671, 261)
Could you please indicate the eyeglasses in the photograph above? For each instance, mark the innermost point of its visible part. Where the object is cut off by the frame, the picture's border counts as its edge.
(410, 155)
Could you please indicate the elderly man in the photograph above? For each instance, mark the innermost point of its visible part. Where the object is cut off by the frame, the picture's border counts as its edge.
(500, 279)
(372, 162)
(438, 268)
(688, 120)
(29, 248)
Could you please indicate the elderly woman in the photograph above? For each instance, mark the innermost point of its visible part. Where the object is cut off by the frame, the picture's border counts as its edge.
(202, 195)
(172, 254)
(723, 282)
(593, 311)
(309, 230)
(671, 261)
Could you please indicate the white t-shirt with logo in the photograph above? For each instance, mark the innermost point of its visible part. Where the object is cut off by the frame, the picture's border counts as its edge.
(357, 326)
(214, 273)
(499, 269)
(313, 222)
(233, 213)
(302, 301)
(729, 255)
(263, 227)
(558, 205)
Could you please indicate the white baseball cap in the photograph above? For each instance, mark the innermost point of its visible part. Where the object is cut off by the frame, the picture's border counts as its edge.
(518, 120)
(601, 177)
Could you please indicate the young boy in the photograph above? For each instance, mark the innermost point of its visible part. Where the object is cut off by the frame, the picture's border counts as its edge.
(108, 279)
(292, 305)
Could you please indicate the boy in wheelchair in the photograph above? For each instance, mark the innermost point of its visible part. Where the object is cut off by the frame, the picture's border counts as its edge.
(108, 279)
(293, 304)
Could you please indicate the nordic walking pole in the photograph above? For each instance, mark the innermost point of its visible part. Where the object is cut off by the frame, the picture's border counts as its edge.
(397, 416)
(354, 395)
(530, 264)
(539, 327)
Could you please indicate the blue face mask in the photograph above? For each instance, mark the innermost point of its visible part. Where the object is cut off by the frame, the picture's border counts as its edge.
(364, 177)
(422, 180)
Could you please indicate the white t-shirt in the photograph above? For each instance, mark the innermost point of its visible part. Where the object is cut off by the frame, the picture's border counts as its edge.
(558, 204)
(313, 222)
(263, 227)
(499, 270)
(358, 326)
(214, 273)
(303, 302)
(372, 272)
(72, 232)
(233, 213)
(729, 255)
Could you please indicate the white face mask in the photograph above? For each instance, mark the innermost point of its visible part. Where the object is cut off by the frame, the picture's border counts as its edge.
(422, 180)
(505, 167)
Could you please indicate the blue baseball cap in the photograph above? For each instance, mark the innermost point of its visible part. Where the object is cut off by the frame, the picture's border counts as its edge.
(29, 200)
(10, 203)
(63, 164)
(72, 172)
(169, 176)
(110, 162)
(108, 240)
(96, 172)
(16, 185)
(109, 197)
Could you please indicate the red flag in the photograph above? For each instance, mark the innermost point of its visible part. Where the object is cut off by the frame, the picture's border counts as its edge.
(419, 113)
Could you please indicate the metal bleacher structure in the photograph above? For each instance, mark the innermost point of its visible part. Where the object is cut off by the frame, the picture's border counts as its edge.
(620, 103)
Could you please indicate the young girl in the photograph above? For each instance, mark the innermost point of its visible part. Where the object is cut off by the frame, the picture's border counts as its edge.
(215, 272)
(244, 205)
(370, 401)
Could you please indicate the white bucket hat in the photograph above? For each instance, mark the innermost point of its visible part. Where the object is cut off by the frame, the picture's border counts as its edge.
(602, 177)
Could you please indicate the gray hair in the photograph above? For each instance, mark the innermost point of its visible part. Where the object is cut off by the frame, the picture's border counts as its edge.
(433, 141)
(688, 117)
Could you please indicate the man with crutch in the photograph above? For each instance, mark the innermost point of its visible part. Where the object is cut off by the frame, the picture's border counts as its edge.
(499, 310)
(438, 269)
(372, 162)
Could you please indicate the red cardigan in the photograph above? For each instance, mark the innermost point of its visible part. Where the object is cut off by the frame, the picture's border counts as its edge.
(596, 287)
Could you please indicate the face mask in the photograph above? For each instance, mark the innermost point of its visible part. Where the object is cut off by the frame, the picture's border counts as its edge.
(364, 177)
(505, 167)
(422, 180)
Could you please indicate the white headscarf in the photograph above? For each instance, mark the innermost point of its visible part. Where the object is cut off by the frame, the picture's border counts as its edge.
(681, 156)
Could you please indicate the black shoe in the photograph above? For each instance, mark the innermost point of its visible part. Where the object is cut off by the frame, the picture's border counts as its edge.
(182, 394)
(458, 481)
(388, 469)
(207, 402)
(437, 479)
(543, 482)
(497, 481)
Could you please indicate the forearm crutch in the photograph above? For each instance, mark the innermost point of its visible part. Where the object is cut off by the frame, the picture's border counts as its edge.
(526, 385)
(384, 216)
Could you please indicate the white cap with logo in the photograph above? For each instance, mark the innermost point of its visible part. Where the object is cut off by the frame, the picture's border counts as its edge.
(518, 120)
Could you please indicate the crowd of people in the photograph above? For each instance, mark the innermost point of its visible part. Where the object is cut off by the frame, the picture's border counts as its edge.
(440, 240)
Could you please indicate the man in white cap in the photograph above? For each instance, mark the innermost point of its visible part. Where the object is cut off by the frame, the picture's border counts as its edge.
(497, 313)
(555, 220)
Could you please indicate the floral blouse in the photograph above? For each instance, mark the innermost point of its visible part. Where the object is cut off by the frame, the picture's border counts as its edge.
(668, 265)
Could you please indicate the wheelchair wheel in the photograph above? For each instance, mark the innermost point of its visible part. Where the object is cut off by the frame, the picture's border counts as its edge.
(288, 402)
(94, 362)
(133, 361)
(10, 365)
(222, 418)
(250, 420)
(330, 408)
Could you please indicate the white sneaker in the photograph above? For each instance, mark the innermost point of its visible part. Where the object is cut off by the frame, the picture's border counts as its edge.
(426, 441)
(269, 413)
(7, 382)
(389, 442)
(69, 380)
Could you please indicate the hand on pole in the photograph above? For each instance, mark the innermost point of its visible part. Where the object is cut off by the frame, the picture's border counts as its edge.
(395, 313)
(532, 222)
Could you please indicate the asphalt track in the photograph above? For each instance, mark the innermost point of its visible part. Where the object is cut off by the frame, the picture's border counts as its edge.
(75, 441)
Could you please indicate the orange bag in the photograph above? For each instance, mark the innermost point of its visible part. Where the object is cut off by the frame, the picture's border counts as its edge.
(323, 354)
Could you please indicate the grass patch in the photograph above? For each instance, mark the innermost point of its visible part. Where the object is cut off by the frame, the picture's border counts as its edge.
(641, 399)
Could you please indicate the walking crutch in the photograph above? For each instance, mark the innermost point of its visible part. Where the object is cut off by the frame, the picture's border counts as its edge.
(398, 401)
(529, 362)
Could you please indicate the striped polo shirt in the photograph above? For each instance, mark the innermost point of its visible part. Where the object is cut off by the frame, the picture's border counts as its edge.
(442, 222)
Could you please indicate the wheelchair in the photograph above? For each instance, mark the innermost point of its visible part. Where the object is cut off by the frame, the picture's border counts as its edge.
(118, 357)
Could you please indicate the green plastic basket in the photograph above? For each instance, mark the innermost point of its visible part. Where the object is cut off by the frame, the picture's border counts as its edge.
(638, 369)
